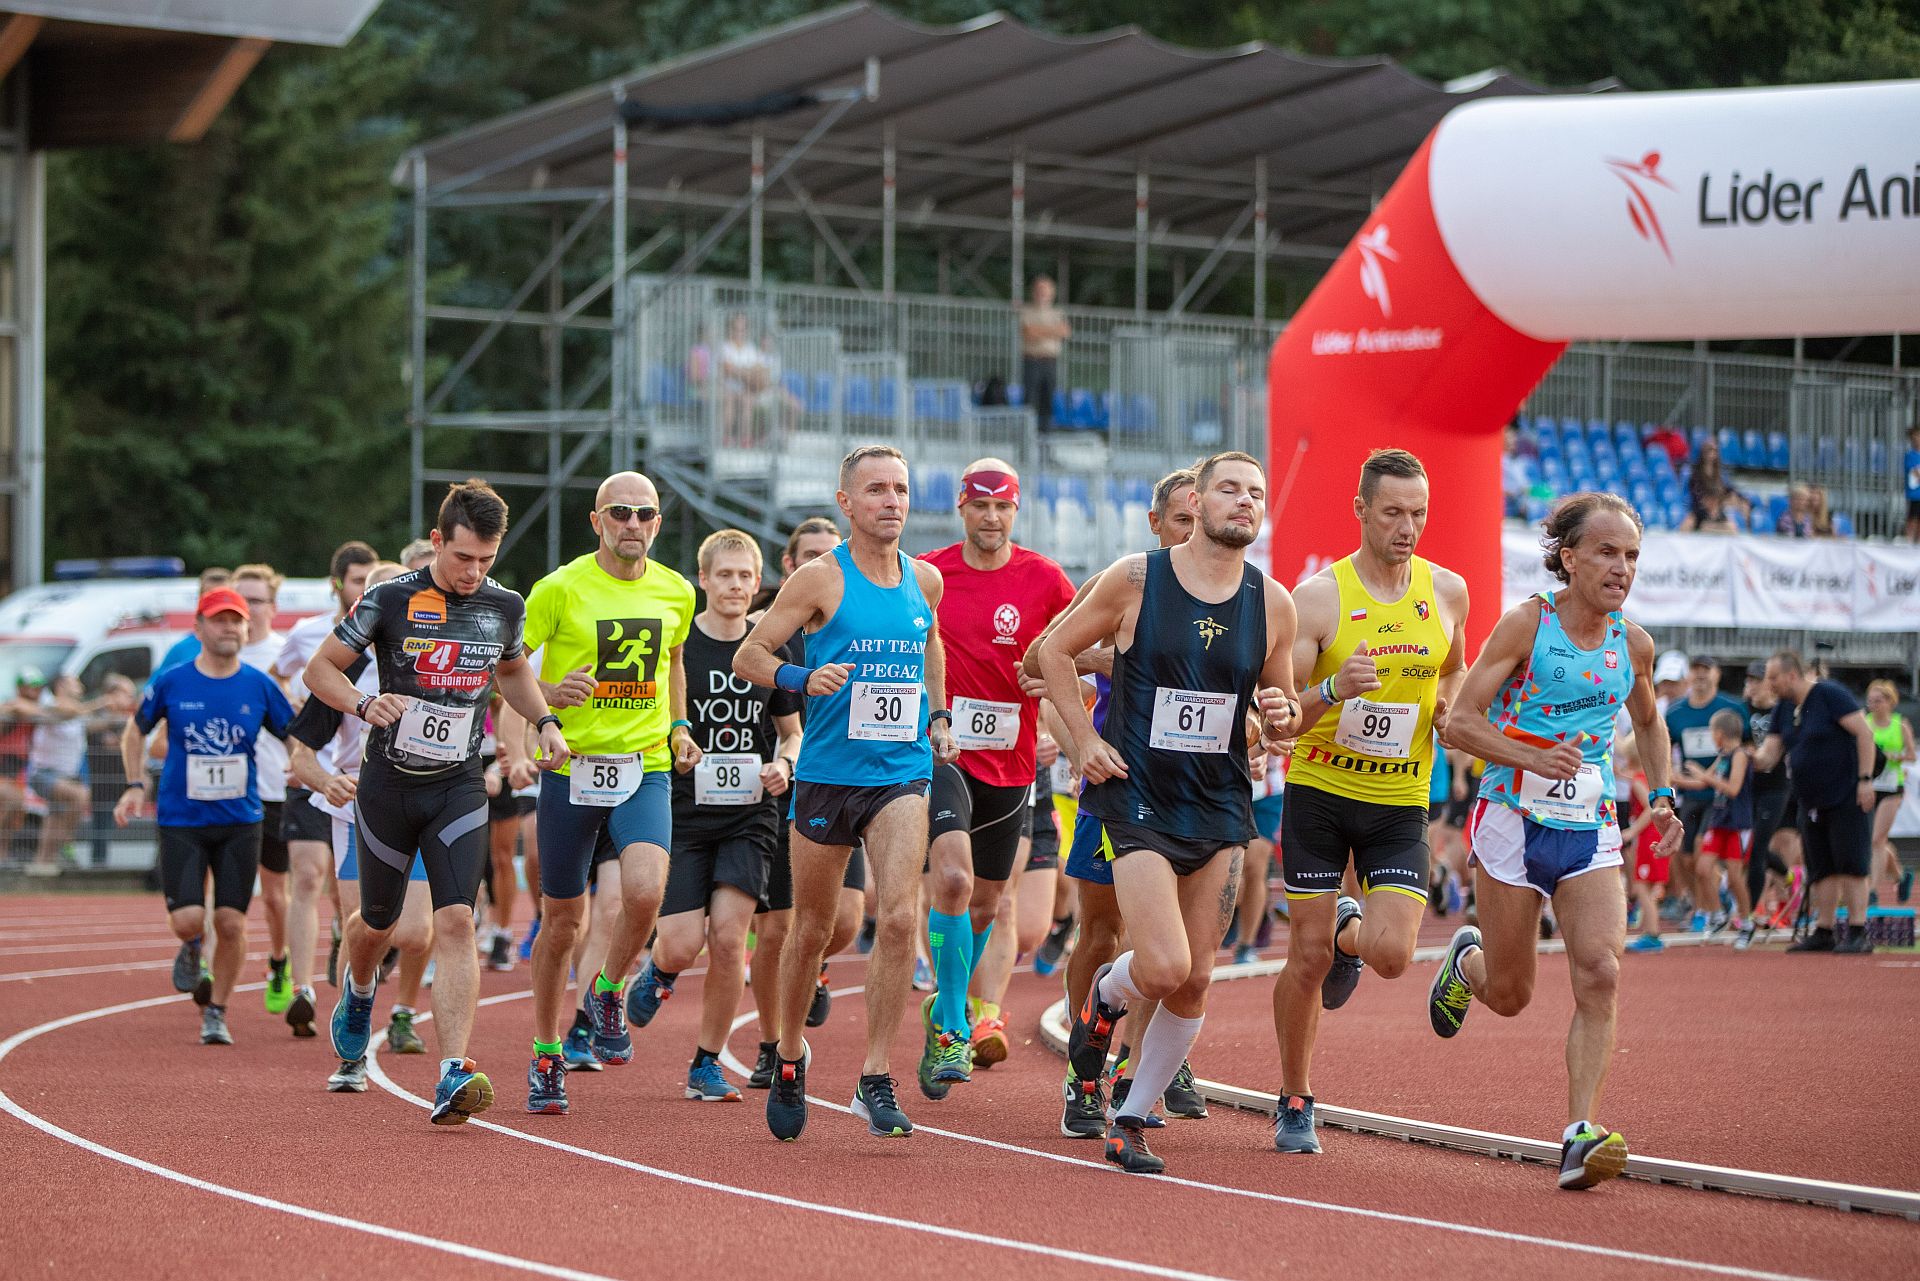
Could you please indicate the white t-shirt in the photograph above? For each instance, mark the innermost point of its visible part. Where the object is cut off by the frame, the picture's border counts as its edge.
(58, 746)
(735, 357)
(344, 752)
(298, 647)
(269, 753)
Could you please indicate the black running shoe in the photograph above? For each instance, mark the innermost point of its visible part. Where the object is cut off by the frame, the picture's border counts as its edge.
(761, 1078)
(1181, 1098)
(1449, 998)
(1085, 1116)
(1821, 940)
(186, 966)
(203, 989)
(500, 957)
(874, 1103)
(1344, 975)
(1127, 1147)
(1092, 1034)
(1121, 1086)
(1857, 942)
(787, 1100)
(822, 1003)
(1591, 1156)
(300, 1014)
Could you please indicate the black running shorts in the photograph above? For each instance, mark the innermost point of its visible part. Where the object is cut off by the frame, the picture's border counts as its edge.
(701, 862)
(231, 851)
(1320, 831)
(299, 821)
(443, 816)
(273, 843)
(994, 817)
(1188, 854)
(828, 814)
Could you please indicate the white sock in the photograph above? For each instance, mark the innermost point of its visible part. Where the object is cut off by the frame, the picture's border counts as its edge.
(403, 1009)
(1159, 1055)
(1116, 989)
(1566, 1135)
(448, 1065)
(353, 986)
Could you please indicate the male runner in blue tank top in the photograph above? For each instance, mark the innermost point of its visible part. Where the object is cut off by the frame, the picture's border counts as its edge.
(877, 721)
(1539, 706)
(1199, 636)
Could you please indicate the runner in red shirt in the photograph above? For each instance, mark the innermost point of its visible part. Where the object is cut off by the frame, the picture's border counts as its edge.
(999, 598)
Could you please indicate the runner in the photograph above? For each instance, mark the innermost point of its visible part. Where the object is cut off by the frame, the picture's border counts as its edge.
(1198, 633)
(1382, 648)
(878, 723)
(1026, 910)
(259, 586)
(208, 800)
(442, 636)
(307, 832)
(1085, 1116)
(326, 749)
(1561, 664)
(610, 627)
(725, 813)
(997, 599)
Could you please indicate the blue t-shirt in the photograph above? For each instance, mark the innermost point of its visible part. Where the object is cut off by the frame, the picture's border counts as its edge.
(1687, 726)
(1913, 475)
(184, 650)
(1821, 756)
(217, 721)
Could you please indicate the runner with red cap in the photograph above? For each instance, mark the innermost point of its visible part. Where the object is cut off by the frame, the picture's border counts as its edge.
(999, 598)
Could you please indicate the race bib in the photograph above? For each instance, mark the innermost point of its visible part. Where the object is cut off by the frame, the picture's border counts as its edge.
(434, 732)
(1377, 729)
(728, 779)
(1060, 774)
(604, 781)
(980, 726)
(1696, 743)
(1566, 800)
(1187, 720)
(216, 778)
(885, 712)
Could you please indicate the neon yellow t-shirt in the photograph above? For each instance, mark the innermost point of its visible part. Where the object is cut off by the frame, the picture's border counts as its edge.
(581, 616)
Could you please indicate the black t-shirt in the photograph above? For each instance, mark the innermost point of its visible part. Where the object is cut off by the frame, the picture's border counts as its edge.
(1822, 755)
(729, 716)
(435, 647)
(1760, 724)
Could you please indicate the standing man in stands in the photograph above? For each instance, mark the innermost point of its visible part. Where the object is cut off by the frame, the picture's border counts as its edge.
(877, 722)
(1043, 331)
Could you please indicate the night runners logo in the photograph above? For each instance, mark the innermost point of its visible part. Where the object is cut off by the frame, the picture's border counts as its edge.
(1373, 248)
(1639, 207)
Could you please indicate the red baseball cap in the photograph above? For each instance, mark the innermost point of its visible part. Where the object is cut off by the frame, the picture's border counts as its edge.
(222, 600)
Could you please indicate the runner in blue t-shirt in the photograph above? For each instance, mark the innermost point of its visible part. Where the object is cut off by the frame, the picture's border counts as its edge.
(209, 801)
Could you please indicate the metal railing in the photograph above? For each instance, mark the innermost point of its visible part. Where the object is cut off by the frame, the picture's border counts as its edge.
(94, 840)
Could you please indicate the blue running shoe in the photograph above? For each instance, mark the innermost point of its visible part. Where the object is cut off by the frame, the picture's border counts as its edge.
(547, 1085)
(526, 944)
(352, 1025)
(1699, 923)
(608, 1014)
(1245, 954)
(709, 1084)
(464, 1091)
(1293, 1128)
(577, 1050)
(646, 994)
(1647, 943)
(874, 1103)
(1344, 975)
(787, 1100)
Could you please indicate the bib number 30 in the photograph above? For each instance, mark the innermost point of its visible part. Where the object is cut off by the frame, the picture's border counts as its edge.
(884, 712)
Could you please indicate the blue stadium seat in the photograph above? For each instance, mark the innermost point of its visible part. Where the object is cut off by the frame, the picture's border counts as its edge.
(1653, 516)
(1843, 524)
(923, 400)
(1853, 457)
(1827, 455)
(1779, 456)
(1536, 509)
(1062, 410)
(1731, 454)
(1676, 512)
(860, 397)
(1697, 437)
(1776, 508)
(1081, 411)
(886, 396)
(1143, 411)
(1016, 394)
(820, 394)
(1753, 447)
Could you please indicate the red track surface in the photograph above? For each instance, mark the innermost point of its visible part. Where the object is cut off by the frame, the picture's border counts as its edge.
(638, 1180)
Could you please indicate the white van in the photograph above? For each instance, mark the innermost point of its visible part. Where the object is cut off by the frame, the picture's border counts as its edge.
(94, 627)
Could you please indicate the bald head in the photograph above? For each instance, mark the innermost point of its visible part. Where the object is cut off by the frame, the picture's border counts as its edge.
(626, 516)
(628, 487)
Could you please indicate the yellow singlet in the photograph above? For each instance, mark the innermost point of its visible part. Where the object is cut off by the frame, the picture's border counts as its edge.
(1379, 748)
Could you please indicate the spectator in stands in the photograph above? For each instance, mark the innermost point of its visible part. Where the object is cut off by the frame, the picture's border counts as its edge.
(699, 364)
(1043, 331)
(1894, 737)
(777, 399)
(1913, 483)
(1709, 516)
(1708, 481)
(743, 379)
(1672, 440)
(1516, 470)
(1822, 511)
(1797, 520)
(1828, 746)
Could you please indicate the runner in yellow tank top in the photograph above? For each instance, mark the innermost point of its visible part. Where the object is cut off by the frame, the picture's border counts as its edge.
(1382, 635)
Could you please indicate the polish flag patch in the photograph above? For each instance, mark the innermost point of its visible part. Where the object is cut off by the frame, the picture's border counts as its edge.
(1356, 616)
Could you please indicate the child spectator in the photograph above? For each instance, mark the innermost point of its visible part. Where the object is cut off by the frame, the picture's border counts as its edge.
(1650, 869)
(1729, 825)
(1913, 483)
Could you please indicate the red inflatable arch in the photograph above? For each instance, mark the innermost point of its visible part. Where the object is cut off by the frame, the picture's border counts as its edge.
(1521, 225)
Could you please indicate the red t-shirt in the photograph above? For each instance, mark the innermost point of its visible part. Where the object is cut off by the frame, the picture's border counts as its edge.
(987, 620)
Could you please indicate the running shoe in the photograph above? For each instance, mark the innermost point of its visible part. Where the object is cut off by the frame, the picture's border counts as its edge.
(1633, 916)
(1054, 948)
(186, 966)
(1449, 997)
(787, 1100)
(610, 1041)
(1591, 1156)
(213, 1026)
(929, 1055)
(464, 1091)
(352, 1025)
(577, 1049)
(1344, 975)
(1906, 885)
(203, 986)
(1293, 1126)
(1745, 940)
(1699, 923)
(333, 956)
(874, 1103)
(1647, 943)
(1820, 940)
(1181, 1098)
(526, 944)
(300, 1013)
(1092, 1034)
(388, 964)
(1085, 1116)
(952, 1061)
(1245, 954)
(500, 957)
(761, 1078)
(1121, 1086)
(1127, 1147)
(349, 1078)
(863, 941)
(822, 1004)
(922, 975)
(547, 1085)
(279, 991)
(990, 1041)
(709, 1084)
(646, 994)
(1456, 901)
(401, 1038)
(1856, 943)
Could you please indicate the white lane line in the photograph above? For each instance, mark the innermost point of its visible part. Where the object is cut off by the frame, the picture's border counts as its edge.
(40, 1123)
(28, 976)
(56, 933)
(124, 945)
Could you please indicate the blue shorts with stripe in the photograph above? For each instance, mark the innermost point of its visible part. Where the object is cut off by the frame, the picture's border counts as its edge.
(1086, 857)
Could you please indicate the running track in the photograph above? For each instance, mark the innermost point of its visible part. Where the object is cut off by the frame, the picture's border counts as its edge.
(135, 1150)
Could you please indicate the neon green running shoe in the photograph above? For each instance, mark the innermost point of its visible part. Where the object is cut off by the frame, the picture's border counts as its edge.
(1590, 1157)
(279, 990)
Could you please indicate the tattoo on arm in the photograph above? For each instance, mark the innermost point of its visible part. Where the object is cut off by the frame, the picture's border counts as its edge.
(1230, 892)
(1137, 572)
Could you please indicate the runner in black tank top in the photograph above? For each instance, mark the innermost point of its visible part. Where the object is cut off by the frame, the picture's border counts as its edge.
(1200, 637)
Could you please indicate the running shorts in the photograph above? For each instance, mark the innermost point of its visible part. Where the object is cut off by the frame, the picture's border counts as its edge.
(567, 832)
(439, 818)
(992, 816)
(1387, 843)
(829, 814)
(1515, 850)
(299, 821)
(1836, 840)
(273, 842)
(1728, 843)
(1087, 854)
(346, 854)
(230, 851)
(1187, 854)
(701, 864)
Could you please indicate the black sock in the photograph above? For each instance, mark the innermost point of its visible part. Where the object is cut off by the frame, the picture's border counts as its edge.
(217, 1009)
(770, 1046)
(580, 1019)
(277, 963)
(665, 977)
(703, 1056)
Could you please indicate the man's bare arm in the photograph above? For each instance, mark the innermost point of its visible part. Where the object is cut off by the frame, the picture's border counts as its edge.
(794, 606)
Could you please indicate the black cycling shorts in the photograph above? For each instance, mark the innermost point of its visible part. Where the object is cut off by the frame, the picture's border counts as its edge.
(273, 842)
(993, 817)
(777, 896)
(443, 816)
(231, 851)
(701, 862)
(1188, 854)
(299, 821)
(1320, 831)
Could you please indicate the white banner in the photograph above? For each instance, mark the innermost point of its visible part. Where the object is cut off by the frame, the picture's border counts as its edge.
(1793, 583)
(1522, 574)
(1684, 580)
(1886, 589)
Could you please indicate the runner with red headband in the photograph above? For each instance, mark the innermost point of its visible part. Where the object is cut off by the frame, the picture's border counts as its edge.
(999, 598)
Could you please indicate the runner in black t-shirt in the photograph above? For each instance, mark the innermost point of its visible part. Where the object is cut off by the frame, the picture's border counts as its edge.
(726, 813)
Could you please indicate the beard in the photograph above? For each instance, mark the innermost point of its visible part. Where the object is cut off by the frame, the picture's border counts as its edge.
(1227, 535)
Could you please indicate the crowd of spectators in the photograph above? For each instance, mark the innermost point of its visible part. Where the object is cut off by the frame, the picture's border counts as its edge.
(52, 737)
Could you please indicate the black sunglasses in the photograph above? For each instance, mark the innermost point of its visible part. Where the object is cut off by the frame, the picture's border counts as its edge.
(621, 513)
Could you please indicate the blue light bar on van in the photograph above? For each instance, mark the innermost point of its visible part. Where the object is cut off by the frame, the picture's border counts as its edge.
(120, 567)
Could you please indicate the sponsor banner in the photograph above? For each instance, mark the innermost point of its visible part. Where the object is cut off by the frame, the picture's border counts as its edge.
(1886, 589)
(1522, 572)
(1793, 582)
(1684, 580)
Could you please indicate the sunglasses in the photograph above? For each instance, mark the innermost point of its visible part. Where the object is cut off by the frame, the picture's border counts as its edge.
(621, 513)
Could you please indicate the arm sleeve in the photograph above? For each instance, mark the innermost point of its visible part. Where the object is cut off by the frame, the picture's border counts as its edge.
(357, 630)
(516, 642)
(315, 723)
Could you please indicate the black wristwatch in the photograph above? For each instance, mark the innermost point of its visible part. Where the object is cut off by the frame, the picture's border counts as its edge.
(941, 714)
(544, 721)
(791, 764)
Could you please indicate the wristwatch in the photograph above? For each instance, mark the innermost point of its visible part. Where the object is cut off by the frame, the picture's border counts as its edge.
(1660, 794)
(940, 714)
